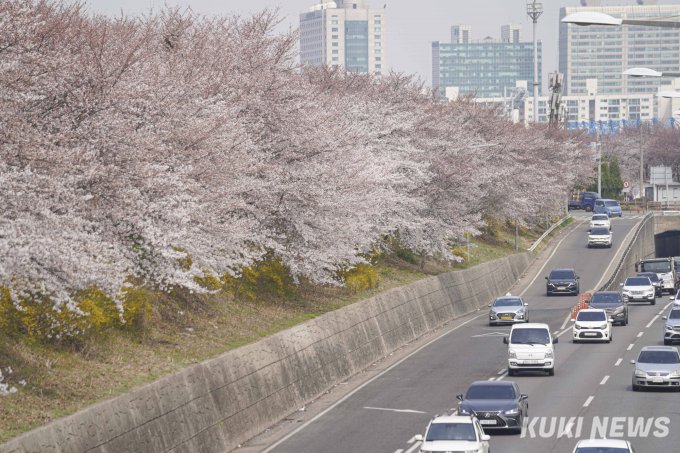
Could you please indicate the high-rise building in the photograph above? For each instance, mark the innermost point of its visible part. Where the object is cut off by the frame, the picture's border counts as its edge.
(511, 33)
(461, 34)
(604, 52)
(484, 67)
(345, 33)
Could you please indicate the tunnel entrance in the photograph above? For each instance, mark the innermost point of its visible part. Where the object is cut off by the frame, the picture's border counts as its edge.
(667, 244)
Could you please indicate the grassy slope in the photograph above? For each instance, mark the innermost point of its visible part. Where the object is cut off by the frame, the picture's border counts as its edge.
(183, 329)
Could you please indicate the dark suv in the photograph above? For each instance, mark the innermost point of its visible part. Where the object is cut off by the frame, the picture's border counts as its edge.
(658, 290)
(613, 304)
(563, 281)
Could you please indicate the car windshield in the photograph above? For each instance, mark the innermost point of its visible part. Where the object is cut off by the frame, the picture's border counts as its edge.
(491, 392)
(600, 217)
(638, 281)
(658, 357)
(614, 298)
(591, 316)
(601, 450)
(611, 203)
(451, 431)
(659, 267)
(600, 232)
(508, 303)
(651, 276)
(674, 314)
(561, 275)
(530, 336)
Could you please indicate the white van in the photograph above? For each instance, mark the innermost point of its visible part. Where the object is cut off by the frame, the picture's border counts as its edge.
(531, 348)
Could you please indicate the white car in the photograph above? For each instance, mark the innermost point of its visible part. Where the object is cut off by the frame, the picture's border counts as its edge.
(447, 433)
(639, 289)
(600, 237)
(603, 445)
(592, 324)
(530, 348)
(676, 299)
(600, 221)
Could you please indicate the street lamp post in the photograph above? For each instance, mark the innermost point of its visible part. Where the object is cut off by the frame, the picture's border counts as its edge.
(534, 11)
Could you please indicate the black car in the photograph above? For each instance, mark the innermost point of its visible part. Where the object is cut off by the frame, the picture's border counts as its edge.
(658, 290)
(612, 302)
(563, 281)
(497, 405)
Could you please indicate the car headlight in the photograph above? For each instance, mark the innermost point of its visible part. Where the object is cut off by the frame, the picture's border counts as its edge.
(512, 354)
(425, 451)
(669, 328)
(626, 291)
(603, 327)
(492, 315)
(514, 411)
(675, 373)
(577, 326)
(640, 373)
(463, 411)
(549, 354)
(618, 310)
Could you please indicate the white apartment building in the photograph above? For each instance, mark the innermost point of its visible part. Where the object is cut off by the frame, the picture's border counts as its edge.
(345, 33)
(461, 34)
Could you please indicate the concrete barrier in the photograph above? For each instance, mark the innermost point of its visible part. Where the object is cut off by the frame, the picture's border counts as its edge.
(642, 246)
(218, 404)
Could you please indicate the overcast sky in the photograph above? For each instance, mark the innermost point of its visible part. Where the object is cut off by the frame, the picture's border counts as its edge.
(413, 24)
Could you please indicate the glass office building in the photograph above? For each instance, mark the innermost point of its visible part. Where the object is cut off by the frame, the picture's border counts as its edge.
(485, 67)
(356, 45)
(605, 52)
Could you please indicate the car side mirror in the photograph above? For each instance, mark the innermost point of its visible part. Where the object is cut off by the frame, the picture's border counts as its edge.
(664, 317)
(620, 284)
(632, 362)
(578, 278)
(546, 278)
(572, 320)
(489, 305)
(505, 340)
(526, 304)
(555, 340)
(523, 397)
(486, 437)
(672, 297)
(418, 437)
(611, 319)
(460, 397)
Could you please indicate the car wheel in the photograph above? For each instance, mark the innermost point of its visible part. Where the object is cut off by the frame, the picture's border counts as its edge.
(610, 246)
(492, 324)
(551, 372)
(636, 388)
(511, 372)
(609, 340)
(575, 340)
(589, 208)
(653, 302)
(549, 293)
(666, 342)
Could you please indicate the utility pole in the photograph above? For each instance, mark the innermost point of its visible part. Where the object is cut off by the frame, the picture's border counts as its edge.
(599, 163)
(642, 169)
(516, 235)
(534, 11)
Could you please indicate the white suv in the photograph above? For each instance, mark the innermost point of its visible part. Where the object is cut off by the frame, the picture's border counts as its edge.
(639, 288)
(600, 221)
(592, 324)
(447, 433)
(530, 348)
(609, 445)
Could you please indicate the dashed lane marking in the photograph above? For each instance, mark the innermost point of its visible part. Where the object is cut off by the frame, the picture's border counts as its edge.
(588, 401)
(566, 321)
(630, 346)
(618, 362)
(405, 411)
(416, 445)
(503, 371)
(640, 334)
(652, 321)
(411, 440)
(398, 451)
(491, 379)
(604, 381)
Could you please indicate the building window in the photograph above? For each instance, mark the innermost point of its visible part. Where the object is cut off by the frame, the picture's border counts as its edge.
(335, 59)
(334, 22)
(334, 37)
(378, 44)
(378, 73)
(378, 58)
(377, 22)
(376, 29)
(378, 66)
(354, 6)
(335, 51)
(334, 30)
(378, 51)
(335, 44)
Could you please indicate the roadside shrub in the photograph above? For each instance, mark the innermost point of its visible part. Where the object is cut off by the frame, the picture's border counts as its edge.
(407, 255)
(269, 276)
(362, 276)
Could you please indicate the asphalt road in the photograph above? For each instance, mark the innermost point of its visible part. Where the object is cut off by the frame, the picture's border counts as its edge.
(592, 381)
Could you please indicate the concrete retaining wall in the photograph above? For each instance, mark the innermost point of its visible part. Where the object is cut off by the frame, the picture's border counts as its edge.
(216, 405)
(644, 246)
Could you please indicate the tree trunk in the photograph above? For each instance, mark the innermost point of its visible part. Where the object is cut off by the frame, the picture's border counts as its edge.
(422, 260)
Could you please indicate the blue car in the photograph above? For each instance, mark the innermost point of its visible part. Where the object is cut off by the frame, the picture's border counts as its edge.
(609, 207)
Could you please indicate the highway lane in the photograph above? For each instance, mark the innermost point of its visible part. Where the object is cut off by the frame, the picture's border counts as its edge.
(427, 382)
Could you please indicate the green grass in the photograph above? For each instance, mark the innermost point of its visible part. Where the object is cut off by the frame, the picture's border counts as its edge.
(60, 380)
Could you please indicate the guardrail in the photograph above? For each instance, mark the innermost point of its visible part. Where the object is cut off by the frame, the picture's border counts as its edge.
(550, 230)
(625, 253)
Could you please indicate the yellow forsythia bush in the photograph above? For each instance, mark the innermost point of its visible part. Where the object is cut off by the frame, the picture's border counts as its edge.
(38, 317)
(269, 276)
(362, 276)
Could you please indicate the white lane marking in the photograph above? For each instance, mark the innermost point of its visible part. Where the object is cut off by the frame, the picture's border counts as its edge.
(630, 346)
(491, 379)
(566, 321)
(491, 334)
(606, 272)
(545, 264)
(588, 401)
(410, 450)
(640, 334)
(666, 306)
(661, 312)
(398, 451)
(411, 440)
(604, 381)
(406, 411)
(341, 400)
(618, 362)
(562, 333)
(500, 378)
(652, 321)
(503, 371)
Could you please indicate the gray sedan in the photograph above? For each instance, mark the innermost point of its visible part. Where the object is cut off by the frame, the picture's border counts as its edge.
(671, 330)
(508, 309)
(657, 366)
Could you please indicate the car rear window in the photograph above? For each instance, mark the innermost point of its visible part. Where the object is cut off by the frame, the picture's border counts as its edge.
(491, 392)
(658, 357)
(637, 281)
(561, 275)
(600, 232)
(652, 277)
(601, 450)
(591, 316)
(451, 431)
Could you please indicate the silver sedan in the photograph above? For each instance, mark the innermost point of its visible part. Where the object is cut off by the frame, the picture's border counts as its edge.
(657, 366)
(508, 309)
